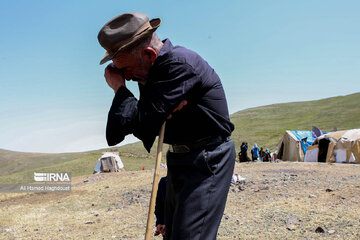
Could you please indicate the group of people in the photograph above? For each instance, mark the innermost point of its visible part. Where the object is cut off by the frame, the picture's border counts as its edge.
(256, 153)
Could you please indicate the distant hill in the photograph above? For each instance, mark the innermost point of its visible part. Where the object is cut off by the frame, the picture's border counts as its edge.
(262, 125)
(18, 161)
(265, 125)
(19, 167)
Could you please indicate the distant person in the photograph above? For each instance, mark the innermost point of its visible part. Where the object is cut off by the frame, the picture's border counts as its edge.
(267, 157)
(239, 155)
(160, 207)
(243, 153)
(247, 147)
(262, 154)
(255, 152)
(240, 152)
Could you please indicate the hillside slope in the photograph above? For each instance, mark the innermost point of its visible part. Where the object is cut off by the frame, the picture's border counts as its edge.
(264, 125)
(12, 161)
(133, 156)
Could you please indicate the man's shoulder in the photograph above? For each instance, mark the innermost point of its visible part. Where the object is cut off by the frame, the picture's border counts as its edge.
(183, 54)
(177, 54)
(178, 62)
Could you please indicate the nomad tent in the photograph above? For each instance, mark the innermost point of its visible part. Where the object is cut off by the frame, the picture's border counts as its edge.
(109, 162)
(340, 146)
(293, 145)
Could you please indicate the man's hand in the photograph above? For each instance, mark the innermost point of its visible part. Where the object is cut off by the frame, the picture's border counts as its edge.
(160, 229)
(178, 108)
(114, 77)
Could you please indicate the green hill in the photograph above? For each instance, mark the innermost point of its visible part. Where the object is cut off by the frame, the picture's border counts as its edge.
(18, 161)
(262, 125)
(265, 125)
(133, 156)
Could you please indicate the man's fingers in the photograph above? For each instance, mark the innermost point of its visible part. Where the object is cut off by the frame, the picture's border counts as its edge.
(180, 106)
(163, 230)
(114, 77)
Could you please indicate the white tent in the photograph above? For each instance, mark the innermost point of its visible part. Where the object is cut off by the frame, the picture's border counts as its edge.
(109, 162)
(340, 147)
(293, 145)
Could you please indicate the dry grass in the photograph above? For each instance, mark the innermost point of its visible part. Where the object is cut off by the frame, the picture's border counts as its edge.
(278, 201)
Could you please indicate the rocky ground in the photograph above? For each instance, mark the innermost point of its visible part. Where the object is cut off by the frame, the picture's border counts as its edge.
(294, 201)
(276, 201)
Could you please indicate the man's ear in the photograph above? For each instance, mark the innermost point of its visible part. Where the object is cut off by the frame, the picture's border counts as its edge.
(150, 53)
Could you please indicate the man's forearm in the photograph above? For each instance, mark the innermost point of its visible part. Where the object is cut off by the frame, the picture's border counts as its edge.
(122, 117)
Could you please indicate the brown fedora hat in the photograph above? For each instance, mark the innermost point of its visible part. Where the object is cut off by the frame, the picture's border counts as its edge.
(124, 31)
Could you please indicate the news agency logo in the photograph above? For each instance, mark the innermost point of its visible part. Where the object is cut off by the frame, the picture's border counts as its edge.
(51, 177)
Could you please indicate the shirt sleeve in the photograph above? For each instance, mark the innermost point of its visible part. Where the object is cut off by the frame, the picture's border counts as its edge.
(121, 117)
(171, 85)
(163, 92)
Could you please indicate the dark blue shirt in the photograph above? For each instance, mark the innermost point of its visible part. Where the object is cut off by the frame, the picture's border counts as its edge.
(177, 74)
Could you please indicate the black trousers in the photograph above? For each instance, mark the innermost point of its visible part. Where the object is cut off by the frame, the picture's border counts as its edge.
(197, 189)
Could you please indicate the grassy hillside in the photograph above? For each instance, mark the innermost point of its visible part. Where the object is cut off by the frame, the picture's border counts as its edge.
(134, 157)
(18, 161)
(263, 125)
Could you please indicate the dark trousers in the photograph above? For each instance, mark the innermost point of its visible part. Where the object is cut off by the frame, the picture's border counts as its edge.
(197, 189)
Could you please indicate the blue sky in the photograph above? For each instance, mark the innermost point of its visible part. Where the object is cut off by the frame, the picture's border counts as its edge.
(53, 97)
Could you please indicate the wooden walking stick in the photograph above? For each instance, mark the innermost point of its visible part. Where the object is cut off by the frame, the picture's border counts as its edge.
(155, 184)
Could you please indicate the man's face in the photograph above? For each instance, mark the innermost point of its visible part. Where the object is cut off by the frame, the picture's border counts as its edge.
(134, 66)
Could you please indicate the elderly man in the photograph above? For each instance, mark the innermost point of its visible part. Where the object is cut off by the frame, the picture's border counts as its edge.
(178, 86)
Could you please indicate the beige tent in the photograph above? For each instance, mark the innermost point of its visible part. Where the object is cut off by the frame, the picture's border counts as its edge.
(340, 146)
(293, 145)
(109, 162)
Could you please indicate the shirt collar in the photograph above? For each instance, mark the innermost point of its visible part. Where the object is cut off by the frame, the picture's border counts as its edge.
(161, 57)
(165, 48)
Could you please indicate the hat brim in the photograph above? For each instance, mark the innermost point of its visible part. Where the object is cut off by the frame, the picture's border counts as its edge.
(154, 23)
